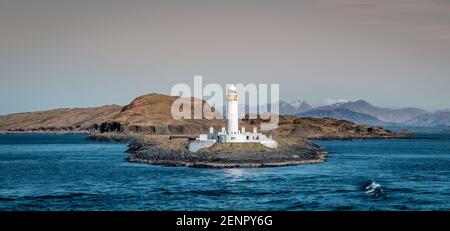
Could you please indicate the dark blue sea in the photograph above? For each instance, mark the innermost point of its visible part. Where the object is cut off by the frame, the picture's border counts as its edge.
(65, 172)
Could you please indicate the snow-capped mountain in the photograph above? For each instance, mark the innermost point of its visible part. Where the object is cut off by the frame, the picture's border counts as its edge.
(301, 106)
(295, 107)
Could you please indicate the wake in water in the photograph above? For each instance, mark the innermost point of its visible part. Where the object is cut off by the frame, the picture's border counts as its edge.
(373, 189)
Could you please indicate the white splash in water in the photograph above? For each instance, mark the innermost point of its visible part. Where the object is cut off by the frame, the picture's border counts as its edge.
(374, 189)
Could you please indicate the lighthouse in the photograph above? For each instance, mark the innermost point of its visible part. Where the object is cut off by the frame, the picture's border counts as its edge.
(232, 111)
(231, 134)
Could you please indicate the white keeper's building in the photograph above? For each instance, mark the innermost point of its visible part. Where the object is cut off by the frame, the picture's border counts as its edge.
(231, 134)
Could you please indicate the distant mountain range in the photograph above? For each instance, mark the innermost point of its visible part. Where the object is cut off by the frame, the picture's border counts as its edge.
(439, 118)
(362, 112)
(343, 114)
(152, 111)
(384, 114)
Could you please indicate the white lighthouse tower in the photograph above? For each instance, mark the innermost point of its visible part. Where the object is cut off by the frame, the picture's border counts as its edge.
(232, 134)
(232, 111)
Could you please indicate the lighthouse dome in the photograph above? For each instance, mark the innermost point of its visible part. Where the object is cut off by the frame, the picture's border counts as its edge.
(232, 90)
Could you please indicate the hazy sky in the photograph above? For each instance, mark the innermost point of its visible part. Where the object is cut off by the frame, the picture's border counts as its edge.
(83, 53)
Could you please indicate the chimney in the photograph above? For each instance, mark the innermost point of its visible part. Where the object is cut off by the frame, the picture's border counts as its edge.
(255, 130)
(211, 130)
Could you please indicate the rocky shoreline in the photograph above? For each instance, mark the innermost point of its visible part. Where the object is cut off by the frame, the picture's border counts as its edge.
(222, 156)
(207, 163)
(172, 151)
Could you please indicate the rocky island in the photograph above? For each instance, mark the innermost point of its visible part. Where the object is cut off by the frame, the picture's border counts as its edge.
(155, 137)
(173, 151)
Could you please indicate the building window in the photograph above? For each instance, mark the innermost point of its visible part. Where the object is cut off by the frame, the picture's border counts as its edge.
(248, 137)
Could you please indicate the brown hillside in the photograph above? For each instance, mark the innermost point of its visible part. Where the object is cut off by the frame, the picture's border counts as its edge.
(57, 119)
(151, 113)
